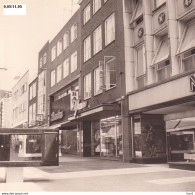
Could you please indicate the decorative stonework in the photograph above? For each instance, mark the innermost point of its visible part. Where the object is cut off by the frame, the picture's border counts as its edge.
(161, 18)
(187, 3)
(140, 32)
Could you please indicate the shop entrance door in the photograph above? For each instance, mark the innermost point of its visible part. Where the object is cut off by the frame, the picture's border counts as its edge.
(111, 137)
(86, 139)
(4, 147)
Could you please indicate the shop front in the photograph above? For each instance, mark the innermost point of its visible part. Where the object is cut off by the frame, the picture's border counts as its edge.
(163, 125)
(99, 131)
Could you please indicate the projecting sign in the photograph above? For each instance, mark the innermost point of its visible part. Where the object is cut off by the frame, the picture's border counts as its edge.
(73, 100)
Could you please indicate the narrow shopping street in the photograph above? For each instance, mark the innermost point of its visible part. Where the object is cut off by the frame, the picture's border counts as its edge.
(75, 174)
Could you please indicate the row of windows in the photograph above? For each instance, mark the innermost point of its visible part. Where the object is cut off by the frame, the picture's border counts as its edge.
(161, 66)
(19, 110)
(64, 42)
(87, 10)
(20, 91)
(97, 37)
(104, 78)
(63, 70)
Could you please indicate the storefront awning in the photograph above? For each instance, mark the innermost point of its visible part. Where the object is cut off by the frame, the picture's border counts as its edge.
(180, 124)
(162, 52)
(188, 39)
(98, 113)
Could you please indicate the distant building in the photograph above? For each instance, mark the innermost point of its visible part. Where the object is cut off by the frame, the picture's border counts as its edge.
(5, 110)
(19, 102)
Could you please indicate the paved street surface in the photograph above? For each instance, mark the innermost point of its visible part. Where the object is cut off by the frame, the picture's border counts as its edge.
(92, 174)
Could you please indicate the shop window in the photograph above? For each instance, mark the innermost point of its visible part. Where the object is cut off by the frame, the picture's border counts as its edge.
(110, 137)
(66, 40)
(59, 73)
(87, 86)
(186, 49)
(97, 81)
(73, 32)
(86, 14)
(53, 52)
(159, 3)
(66, 67)
(97, 40)
(53, 78)
(59, 47)
(87, 48)
(96, 5)
(73, 62)
(140, 67)
(110, 29)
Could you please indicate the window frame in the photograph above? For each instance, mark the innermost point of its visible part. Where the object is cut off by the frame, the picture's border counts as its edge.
(87, 86)
(108, 32)
(97, 4)
(97, 39)
(74, 62)
(85, 11)
(87, 48)
(59, 73)
(73, 32)
(53, 77)
(66, 63)
(100, 90)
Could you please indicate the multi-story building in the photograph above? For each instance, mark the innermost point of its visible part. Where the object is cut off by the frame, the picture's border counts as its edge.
(5, 110)
(98, 112)
(63, 89)
(19, 103)
(42, 86)
(160, 80)
(32, 103)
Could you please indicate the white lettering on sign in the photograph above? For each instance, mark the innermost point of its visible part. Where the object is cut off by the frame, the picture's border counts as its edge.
(56, 116)
(73, 100)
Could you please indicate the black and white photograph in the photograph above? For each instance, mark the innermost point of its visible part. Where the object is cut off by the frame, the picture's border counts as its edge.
(97, 96)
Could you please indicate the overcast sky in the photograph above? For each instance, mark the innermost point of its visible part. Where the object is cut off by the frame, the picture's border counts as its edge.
(22, 37)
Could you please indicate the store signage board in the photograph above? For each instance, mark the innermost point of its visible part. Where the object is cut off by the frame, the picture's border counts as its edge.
(27, 147)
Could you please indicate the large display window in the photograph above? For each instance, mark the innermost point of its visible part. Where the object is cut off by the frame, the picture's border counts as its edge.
(181, 145)
(110, 137)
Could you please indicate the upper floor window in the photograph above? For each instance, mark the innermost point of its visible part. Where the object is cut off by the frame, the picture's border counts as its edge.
(33, 91)
(53, 78)
(86, 14)
(53, 52)
(73, 32)
(41, 62)
(159, 2)
(98, 80)
(96, 5)
(66, 40)
(73, 62)
(110, 29)
(161, 60)
(42, 80)
(87, 86)
(44, 58)
(59, 47)
(87, 48)
(59, 73)
(187, 48)
(110, 72)
(97, 40)
(140, 66)
(66, 65)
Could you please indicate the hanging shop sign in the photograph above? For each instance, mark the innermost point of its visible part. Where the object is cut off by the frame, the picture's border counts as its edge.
(192, 83)
(39, 117)
(73, 100)
(79, 106)
(57, 116)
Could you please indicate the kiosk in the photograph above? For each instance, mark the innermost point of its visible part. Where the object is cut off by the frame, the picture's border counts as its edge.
(27, 148)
